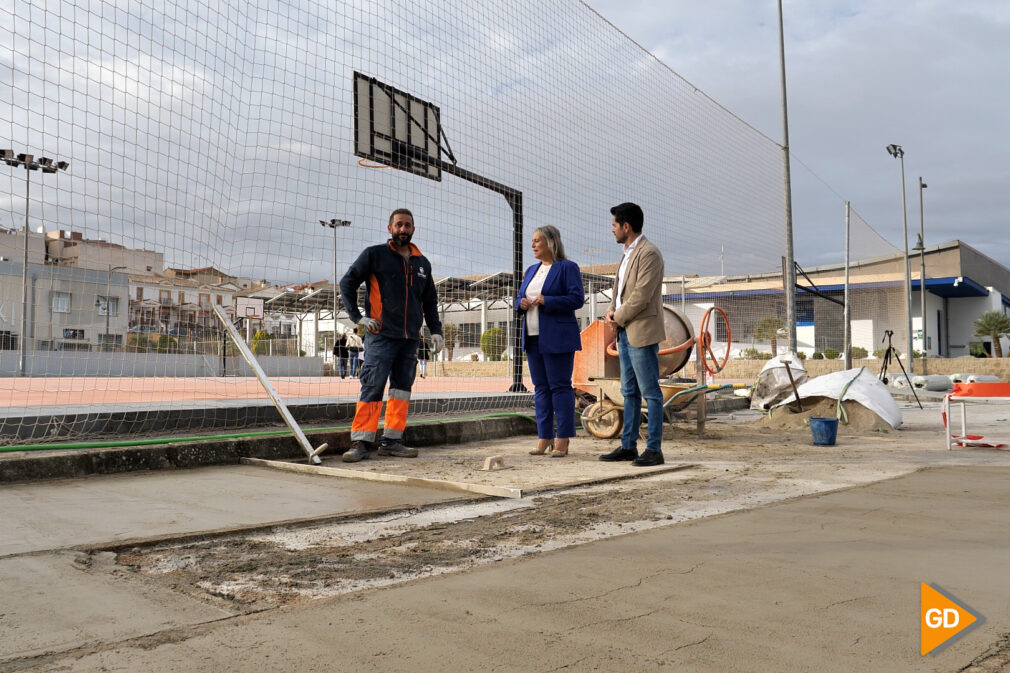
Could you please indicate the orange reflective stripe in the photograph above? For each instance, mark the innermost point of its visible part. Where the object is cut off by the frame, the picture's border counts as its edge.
(374, 299)
(396, 414)
(366, 417)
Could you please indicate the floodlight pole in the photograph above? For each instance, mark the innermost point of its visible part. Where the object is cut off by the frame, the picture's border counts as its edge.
(515, 200)
(922, 273)
(46, 165)
(898, 153)
(335, 224)
(789, 278)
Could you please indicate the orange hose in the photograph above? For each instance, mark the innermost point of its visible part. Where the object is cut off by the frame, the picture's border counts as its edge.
(704, 341)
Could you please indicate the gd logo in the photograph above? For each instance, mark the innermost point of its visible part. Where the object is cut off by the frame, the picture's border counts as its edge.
(943, 619)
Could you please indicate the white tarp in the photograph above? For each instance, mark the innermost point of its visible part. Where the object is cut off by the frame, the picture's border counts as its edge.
(865, 388)
(773, 381)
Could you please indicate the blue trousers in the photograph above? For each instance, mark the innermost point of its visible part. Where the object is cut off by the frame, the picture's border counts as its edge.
(553, 395)
(640, 380)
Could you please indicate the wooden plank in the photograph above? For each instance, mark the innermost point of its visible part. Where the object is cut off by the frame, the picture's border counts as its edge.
(498, 491)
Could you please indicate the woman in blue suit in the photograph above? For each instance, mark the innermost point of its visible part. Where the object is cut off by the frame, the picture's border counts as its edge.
(549, 296)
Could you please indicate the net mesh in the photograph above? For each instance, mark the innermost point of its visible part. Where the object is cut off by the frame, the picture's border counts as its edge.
(206, 141)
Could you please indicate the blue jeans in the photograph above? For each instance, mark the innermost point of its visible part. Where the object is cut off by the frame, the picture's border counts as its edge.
(640, 380)
(393, 360)
(553, 395)
(342, 367)
(354, 362)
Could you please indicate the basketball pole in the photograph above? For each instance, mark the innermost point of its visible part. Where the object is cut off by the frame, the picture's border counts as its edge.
(515, 200)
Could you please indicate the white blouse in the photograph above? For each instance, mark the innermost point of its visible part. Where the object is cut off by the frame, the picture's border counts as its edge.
(533, 290)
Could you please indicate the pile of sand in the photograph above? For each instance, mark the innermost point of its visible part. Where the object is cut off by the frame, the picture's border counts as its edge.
(860, 418)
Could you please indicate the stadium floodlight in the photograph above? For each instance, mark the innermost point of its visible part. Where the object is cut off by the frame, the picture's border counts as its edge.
(898, 153)
(29, 164)
(335, 224)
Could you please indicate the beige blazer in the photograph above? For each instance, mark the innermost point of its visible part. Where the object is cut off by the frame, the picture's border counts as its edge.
(641, 312)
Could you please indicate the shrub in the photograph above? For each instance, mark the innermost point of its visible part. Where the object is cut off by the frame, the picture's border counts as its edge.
(492, 343)
(879, 353)
(831, 354)
(918, 354)
(858, 352)
(802, 355)
(750, 354)
(818, 355)
(167, 344)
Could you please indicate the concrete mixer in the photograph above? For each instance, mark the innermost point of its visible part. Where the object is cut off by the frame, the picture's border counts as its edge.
(598, 370)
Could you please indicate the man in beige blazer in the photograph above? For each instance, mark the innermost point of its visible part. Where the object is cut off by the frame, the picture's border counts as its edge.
(636, 312)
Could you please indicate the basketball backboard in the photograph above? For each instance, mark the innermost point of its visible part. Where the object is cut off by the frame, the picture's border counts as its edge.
(395, 128)
(249, 307)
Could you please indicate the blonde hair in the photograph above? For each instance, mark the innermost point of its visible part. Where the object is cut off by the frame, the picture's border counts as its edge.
(552, 237)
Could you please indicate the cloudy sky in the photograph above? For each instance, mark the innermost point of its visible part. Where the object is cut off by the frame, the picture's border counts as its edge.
(930, 75)
(220, 133)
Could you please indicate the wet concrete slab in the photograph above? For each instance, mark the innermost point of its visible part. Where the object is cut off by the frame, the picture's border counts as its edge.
(40, 615)
(104, 509)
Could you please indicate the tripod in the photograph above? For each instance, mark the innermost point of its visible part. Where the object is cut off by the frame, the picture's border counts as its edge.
(886, 361)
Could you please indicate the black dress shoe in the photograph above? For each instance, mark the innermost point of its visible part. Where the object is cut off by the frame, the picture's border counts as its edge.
(648, 459)
(620, 453)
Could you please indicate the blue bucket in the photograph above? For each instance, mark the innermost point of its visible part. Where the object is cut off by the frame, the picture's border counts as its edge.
(824, 430)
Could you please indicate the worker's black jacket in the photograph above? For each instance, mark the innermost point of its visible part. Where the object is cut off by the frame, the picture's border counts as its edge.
(400, 291)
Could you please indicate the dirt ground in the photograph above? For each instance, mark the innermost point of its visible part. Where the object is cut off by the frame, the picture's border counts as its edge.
(744, 460)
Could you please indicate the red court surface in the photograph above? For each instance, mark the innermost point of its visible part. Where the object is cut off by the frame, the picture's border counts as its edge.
(77, 391)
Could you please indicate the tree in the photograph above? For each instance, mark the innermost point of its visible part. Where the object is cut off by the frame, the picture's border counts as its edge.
(450, 334)
(993, 324)
(261, 342)
(770, 329)
(492, 343)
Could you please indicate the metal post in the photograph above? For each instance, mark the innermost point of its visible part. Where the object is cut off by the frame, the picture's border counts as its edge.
(108, 305)
(922, 275)
(23, 341)
(908, 272)
(789, 279)
(848, 315)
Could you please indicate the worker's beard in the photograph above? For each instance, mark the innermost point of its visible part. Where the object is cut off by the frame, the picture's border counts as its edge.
(402, 240)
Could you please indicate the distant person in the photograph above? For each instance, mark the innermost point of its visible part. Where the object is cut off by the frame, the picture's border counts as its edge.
(548, 298)
(354, 348)
(636, 313)
(401, 297)
(340, 354)
(423, 355)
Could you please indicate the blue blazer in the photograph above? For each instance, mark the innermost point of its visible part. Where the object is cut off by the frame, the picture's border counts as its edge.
(563, 295)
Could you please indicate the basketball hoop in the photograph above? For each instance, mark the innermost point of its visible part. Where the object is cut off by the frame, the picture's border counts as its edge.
(365, 163)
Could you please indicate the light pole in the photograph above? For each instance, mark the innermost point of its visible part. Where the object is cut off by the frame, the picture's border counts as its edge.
(46, 165)
(334, 224)
(898, 153)
(789, 277)
(921, 247)
(108, 302)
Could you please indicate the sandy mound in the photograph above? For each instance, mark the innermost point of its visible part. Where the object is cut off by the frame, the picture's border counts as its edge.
(861, 419)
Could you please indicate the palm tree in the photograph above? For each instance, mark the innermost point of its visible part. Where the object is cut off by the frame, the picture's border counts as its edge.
(770, 329)
(450, 333)
(993, 324)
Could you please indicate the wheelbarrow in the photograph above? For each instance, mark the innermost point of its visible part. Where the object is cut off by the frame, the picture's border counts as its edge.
(605, 417)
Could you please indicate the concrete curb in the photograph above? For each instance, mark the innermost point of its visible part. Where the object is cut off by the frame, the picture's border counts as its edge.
(63, 464)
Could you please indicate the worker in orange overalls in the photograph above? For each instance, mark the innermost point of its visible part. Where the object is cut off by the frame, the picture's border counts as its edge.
(401, 296)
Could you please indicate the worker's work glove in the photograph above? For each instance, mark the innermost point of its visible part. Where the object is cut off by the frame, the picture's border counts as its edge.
(436, 343)
(370, 325)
